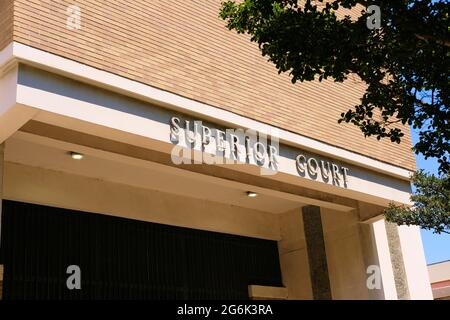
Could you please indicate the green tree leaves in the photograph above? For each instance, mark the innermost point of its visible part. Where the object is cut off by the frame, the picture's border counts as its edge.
(431, 208)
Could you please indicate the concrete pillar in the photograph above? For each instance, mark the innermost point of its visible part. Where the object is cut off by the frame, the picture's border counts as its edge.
(346, 267)
(376, 254)
(399, 252)
(381, 247)
(315, 243)
(371, 262)
(398, 265)
(415, 263)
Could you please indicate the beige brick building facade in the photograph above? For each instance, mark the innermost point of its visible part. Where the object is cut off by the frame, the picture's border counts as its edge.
(164, 157)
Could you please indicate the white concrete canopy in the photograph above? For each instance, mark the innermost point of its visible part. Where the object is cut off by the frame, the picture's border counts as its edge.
(55, 100)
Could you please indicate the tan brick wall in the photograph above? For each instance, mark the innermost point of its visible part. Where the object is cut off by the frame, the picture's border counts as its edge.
(6, 23)
(183, 47)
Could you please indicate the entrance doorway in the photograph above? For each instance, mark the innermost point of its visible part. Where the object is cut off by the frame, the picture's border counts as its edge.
(126, 259)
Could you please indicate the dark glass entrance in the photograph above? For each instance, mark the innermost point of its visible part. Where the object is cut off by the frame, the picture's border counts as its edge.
(126, 259)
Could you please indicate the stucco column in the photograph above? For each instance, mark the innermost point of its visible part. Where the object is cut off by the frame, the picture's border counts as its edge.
(377, 259)
(294, 256)
(382, 248)
(372, 262)
(315, 243)
(415, 263)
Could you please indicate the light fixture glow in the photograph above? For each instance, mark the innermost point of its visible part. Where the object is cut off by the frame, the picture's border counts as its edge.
(76, 155)
(251, 194)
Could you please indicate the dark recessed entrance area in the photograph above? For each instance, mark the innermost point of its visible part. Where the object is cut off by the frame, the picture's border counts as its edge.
(126, 259)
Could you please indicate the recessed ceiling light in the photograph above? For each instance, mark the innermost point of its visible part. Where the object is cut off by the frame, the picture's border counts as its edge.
(251, 194)
(76, 155)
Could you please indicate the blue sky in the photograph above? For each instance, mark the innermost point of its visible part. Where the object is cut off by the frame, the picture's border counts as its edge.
(437, 247)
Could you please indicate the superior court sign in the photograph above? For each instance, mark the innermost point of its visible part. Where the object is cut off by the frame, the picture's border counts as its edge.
(198, 143)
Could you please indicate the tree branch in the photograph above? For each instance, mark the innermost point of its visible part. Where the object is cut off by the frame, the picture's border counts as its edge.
(428, 38)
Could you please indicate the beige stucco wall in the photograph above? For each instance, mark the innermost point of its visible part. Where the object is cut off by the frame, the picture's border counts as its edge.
(54, 188)
(294, 256)
(345, 259)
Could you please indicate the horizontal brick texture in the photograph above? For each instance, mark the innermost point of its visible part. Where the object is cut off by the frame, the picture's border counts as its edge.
(183, 47)
(6, 22)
